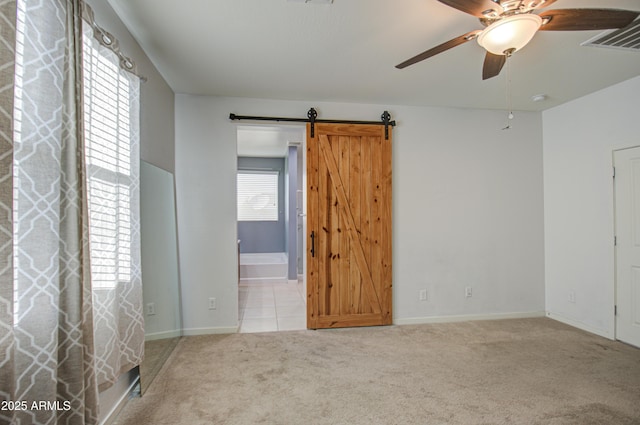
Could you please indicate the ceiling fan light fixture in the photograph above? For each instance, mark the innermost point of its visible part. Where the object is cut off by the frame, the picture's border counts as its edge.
(509, 34)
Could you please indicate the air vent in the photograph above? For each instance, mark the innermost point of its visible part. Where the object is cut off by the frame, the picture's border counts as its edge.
(627, 38)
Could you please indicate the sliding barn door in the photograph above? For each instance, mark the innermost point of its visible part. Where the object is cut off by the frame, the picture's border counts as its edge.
(349, 226)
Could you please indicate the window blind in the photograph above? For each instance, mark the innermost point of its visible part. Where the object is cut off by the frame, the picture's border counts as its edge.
(257, 195)
(108, 150)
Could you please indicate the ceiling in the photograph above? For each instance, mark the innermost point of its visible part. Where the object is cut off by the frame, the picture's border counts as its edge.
(347, 52)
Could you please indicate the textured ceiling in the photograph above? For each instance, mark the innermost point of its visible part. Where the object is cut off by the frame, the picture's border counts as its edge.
(347, 52)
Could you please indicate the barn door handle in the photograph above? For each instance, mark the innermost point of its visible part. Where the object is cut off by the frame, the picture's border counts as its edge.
(313, 244)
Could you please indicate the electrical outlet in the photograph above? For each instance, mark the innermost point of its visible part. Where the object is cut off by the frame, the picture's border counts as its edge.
(423, 295)
(468, 292)
(151, 309)
(212, 304)
(572, 297)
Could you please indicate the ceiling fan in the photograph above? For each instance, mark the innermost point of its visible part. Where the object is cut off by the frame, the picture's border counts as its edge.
(511, 24)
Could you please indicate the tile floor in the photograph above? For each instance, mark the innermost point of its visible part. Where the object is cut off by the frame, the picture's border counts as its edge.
(270, 307)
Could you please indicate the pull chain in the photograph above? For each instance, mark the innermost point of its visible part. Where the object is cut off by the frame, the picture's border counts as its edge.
(509, 102)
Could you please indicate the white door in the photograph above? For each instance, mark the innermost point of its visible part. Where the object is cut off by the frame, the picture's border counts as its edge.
(627, 206)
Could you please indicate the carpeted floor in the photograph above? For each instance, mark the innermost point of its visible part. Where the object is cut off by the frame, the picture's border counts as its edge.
(156, 353)
(529, 371)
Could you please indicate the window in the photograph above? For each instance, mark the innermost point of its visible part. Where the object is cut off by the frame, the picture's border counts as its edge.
(110, 166)
(257, 195)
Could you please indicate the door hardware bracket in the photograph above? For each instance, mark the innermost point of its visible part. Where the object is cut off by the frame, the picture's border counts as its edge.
(312, 115)
(386, 119)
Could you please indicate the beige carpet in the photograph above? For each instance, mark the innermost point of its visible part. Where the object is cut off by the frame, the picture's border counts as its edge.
(156, 353)
(531, 371)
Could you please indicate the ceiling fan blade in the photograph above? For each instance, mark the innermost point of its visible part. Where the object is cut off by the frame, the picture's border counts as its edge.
(492, 65)
(474, 7)
(586, 19)
(439, 49)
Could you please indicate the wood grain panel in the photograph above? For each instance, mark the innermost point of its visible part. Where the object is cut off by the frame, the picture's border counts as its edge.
(350, 320)
(344, 165)
(312, 224)
(376, 212)
(345, 210)
(365, 207)
(332, 150)
(350, 211)
(324, 234)
(348, 130)
(386, 206)
(355, 174)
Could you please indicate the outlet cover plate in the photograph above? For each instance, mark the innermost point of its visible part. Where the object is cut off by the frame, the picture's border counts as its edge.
(423, 295)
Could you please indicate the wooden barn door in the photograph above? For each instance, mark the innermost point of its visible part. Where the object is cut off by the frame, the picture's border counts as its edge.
(349, 226)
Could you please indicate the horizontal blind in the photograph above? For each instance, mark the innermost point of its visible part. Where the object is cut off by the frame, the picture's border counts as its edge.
(108, 149)
(257, 195)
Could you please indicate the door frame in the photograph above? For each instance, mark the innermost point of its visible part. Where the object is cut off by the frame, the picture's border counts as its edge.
(303, 146)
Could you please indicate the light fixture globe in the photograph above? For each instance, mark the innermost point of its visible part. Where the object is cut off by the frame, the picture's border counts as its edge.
(509, 34)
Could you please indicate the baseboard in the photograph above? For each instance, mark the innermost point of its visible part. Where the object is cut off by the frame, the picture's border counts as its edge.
(110, 417)
(210, 331)
(580, 325)
(162, 335)
(467, 318)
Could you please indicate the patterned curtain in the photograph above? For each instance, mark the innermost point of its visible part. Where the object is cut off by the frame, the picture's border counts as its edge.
(112, 121)
(7, 67)
(53, 357)
(51, 353)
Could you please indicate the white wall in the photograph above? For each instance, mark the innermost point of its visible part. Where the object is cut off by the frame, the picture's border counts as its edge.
(579, 138)
(467, 208)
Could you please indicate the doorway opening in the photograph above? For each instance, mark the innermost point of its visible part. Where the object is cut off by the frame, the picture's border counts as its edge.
(271, 222)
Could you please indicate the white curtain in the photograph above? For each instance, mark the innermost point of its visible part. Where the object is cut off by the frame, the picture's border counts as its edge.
(61, 338)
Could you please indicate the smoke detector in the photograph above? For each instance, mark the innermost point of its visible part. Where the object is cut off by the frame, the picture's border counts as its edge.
(539, 97)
